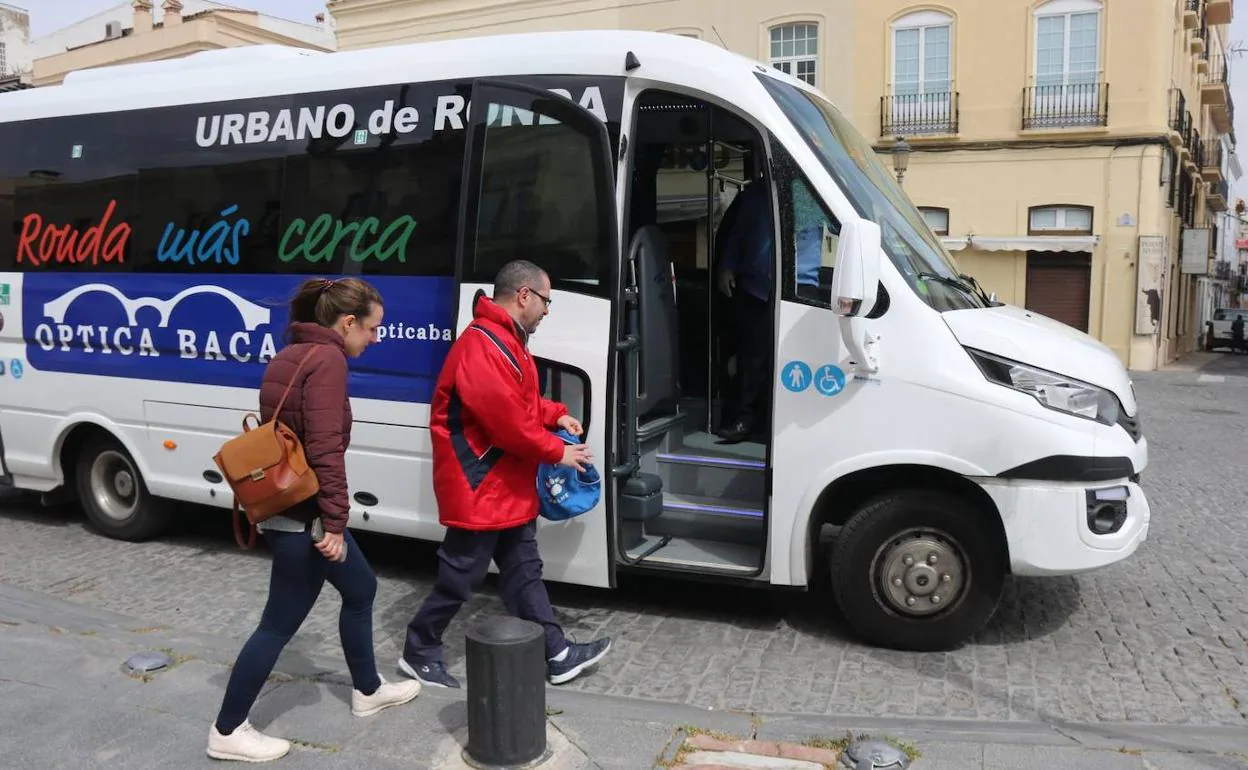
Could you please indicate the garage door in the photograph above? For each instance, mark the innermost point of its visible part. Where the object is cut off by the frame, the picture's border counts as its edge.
(1059, 284)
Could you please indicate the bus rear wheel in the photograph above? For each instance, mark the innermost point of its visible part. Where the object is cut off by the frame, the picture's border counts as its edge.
(113, 494)
(917, 570)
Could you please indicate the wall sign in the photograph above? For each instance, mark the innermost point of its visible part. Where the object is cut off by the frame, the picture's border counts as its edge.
(1195, 254)
(1148, 283)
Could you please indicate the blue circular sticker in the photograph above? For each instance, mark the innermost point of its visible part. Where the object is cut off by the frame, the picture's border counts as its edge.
(830, 380)
(795, 376)
(15, 368)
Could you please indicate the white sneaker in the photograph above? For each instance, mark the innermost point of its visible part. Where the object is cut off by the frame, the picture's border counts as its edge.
(387, 695)
(245, 744)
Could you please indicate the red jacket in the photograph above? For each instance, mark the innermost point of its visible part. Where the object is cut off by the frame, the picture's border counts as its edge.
(490, 426)
(319, 413)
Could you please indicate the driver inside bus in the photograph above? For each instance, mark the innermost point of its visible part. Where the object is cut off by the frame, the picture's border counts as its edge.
(746, 277)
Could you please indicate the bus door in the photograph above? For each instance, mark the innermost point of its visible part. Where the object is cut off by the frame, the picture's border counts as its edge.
(539, 186)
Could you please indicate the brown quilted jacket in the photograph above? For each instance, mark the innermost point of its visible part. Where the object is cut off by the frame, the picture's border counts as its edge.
(319, 413)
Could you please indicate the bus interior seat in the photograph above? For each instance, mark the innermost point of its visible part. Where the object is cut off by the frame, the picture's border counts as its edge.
(658, 361)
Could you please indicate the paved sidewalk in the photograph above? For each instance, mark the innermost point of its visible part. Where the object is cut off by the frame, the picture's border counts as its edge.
(65, 702)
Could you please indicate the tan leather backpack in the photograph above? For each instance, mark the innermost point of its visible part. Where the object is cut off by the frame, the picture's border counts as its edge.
(266, 468)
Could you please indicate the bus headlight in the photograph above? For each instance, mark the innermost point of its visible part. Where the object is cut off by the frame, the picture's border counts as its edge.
(1052, 390)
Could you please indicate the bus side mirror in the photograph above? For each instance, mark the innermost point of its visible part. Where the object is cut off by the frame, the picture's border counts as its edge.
(856, 277)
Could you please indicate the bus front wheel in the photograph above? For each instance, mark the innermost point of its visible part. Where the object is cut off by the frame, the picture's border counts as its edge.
(917, 570)
(113, 494)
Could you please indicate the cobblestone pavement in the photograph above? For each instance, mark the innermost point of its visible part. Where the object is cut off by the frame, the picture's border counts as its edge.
(1161, 638)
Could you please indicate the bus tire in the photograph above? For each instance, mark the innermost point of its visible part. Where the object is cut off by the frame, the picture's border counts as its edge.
(917, 570)
(113, 493)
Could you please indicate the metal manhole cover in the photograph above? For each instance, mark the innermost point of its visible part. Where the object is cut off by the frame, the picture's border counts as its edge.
(146, 662)
(874, 755)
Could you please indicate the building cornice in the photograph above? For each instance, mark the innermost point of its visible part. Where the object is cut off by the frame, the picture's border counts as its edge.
(255, 34)
(185, 48)
(432, 11)
(1046, 142)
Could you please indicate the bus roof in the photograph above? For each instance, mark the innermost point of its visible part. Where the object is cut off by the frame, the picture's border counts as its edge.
(269, 70)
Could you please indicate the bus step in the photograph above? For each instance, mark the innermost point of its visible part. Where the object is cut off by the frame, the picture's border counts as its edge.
(724, 521)
(712, 477)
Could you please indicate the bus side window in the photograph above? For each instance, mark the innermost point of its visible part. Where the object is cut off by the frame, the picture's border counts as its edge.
(567, 385)
(538, 201)
(808, 236)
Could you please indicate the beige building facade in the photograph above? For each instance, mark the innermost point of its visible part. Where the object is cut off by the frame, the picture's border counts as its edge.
(149, 30)
(1073, 154)
(14, 44)
(810, 43)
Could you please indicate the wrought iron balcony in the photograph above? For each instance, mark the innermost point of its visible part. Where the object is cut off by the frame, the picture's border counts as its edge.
(1215, 93)
(1191, 13)
(1178, 112)
(917, 114)
(1074, 105)
(1210, 159)
(1215, 199)
(1216, 76)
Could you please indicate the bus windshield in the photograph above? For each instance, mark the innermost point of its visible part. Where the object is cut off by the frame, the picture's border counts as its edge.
(905, 236)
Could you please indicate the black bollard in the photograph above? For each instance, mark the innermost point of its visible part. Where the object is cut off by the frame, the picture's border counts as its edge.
(506, 662)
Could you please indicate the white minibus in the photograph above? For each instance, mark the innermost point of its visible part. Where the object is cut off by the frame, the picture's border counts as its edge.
(916, 441)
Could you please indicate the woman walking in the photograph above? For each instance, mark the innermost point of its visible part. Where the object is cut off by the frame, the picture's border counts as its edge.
(329, 321)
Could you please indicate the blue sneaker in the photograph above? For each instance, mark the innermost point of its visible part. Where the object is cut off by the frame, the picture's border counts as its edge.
(433, 674)
(579, 658)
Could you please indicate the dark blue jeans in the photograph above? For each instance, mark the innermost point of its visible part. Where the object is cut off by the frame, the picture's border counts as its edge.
(299, 572)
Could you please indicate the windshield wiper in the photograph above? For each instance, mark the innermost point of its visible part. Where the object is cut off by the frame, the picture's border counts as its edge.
(964, 283)
(971, 280)
(956, 283)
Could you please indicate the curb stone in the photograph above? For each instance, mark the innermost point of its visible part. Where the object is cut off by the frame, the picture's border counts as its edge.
(697, 750)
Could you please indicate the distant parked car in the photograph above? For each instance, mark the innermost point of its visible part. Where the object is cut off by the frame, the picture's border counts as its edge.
(1218, 330)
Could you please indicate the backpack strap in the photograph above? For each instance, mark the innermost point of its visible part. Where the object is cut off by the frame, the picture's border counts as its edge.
(250, 542)
(238, 530)
(293, 379)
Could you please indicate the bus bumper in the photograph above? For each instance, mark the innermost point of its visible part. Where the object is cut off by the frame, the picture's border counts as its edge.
(1054, 528)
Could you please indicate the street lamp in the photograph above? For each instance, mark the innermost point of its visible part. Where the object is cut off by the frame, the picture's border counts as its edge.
(901, 157)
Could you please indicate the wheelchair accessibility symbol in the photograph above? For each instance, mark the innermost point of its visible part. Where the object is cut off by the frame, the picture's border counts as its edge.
(795, 376)
(829, 380)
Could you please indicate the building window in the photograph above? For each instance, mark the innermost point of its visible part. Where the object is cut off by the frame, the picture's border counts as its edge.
(937, 219)
(922, 54)
(1060, 219)
(922, 100)
(4, 61)
(1068, 42)
(795, 49)
(1067, 88)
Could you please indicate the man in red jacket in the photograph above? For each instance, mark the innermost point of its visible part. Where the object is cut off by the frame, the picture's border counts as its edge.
(491, 429)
